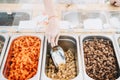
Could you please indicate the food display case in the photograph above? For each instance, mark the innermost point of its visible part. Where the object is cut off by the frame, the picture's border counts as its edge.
(100, 57)
(114, 19)
(89, 36)
(72, 69)
(74, 18)
(23, 57)
(13, 19)
(93, 20)
(88, 20)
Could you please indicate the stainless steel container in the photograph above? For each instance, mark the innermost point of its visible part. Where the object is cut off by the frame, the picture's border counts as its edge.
(117, 41)
(5, 39)
(65, 41)
(37, 75)
(114, 19)
(91, 37)
(13, 18)
(73, 17)
(93, 20)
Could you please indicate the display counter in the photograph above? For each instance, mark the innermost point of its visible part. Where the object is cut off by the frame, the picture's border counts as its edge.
(89, 36)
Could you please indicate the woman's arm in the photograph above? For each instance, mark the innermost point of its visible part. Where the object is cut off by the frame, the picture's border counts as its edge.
(50, 7)
(52, 30)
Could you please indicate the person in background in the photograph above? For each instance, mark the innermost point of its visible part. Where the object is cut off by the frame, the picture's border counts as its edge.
(53, 29)
(115, 2)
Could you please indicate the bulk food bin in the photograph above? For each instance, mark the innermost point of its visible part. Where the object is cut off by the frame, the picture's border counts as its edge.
(93, 20)
(23, 57)
(73, 17)
(117, 41)
(114, 19)
(3, 46)
(100, 57)
(70, 45)
(13, 18)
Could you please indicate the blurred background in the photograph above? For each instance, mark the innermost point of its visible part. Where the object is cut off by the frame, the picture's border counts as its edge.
(58, 1)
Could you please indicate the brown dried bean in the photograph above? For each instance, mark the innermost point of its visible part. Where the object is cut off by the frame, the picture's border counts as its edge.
(100, 60)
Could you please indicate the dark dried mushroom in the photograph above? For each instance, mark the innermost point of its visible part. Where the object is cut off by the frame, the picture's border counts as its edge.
(103, 63)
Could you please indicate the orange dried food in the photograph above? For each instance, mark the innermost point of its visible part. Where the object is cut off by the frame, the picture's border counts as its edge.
(22, 60)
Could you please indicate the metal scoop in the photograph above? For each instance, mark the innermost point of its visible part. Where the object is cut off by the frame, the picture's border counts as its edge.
(57, 55)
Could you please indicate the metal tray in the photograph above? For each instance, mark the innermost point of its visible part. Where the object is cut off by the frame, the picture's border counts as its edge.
(4, 38)
(65, 41)
(73, 17)
(37, 75)
(114, 19)
(106, 37)
(13, 18)
(116, 37)
(94, 16)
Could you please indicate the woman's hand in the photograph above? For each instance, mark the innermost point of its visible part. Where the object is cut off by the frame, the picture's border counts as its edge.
(115, 2)
(52, 31)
